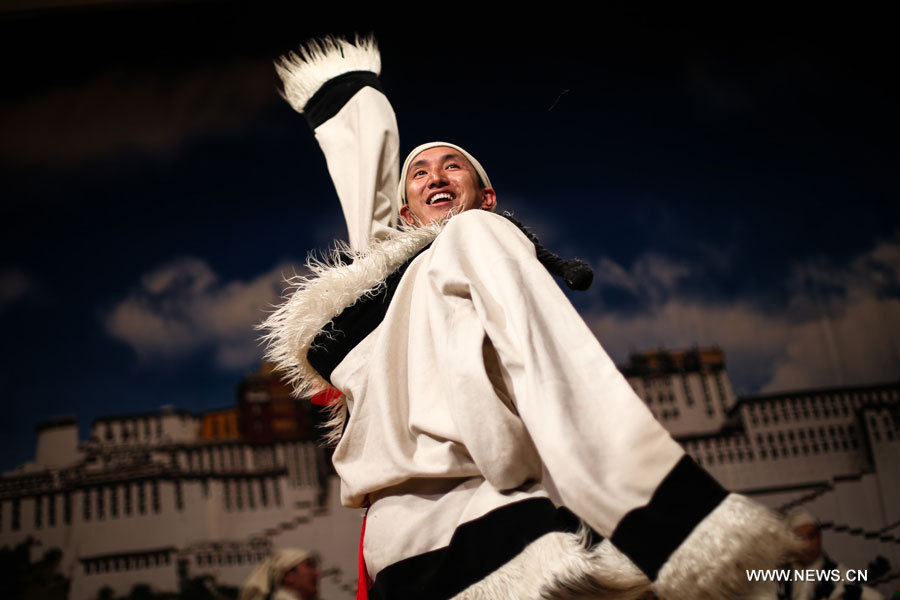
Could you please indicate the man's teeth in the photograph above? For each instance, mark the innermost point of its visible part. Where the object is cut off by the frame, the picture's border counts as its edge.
(437, 197)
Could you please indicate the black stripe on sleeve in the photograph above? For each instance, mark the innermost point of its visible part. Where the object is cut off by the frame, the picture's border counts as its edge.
(335, 93)
(476, 549)
(650, 534)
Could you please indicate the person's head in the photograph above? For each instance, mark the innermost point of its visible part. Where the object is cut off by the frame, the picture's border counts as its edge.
(303, 579)
(293, 568)
(439, 179)
(806, 527)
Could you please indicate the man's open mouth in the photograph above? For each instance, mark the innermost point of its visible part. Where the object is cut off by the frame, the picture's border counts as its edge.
(438, 198)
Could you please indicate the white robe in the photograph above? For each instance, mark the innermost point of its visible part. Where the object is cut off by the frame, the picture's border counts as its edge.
(481, 385)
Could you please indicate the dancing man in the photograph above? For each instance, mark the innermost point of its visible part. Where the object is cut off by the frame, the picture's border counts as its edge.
(482, 424)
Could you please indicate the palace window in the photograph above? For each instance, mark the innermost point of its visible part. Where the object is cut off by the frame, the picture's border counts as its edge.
(179, 497)
(38, 512)
(126, 492)
(86, 505)
(263, 495)
(720, 385)
(154, 491)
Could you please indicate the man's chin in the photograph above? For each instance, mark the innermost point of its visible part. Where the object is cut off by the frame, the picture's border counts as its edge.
(441, 216)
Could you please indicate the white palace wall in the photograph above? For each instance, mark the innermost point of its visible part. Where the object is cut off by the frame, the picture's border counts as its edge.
(220, 507)
(207, 508)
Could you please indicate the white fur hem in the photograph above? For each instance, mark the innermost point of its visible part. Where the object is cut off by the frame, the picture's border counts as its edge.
(558, 566)
(321, 60)
(712, 562)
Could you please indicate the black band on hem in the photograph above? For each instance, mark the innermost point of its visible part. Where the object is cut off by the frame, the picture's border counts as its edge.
(335, 93)
(477, 549)
(650, 534)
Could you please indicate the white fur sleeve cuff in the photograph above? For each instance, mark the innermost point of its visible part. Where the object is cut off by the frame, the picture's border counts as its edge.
(712, 563)
(319, 61)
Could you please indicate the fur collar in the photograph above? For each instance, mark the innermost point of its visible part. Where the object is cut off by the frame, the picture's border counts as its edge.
(333, 285)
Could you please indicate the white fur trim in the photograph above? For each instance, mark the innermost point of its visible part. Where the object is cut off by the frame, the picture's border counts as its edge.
(321, 60)
(311, 302)
(559, 566)
(713, 560)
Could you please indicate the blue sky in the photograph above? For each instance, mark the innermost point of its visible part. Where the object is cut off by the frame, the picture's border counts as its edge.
(731, 183)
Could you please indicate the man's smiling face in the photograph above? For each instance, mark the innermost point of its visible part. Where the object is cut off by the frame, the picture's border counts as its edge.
(439, 180)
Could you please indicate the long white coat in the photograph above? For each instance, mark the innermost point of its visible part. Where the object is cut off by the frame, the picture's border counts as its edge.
(481, 386)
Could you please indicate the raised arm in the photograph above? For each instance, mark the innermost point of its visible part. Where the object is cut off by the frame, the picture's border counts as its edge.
(334, 83)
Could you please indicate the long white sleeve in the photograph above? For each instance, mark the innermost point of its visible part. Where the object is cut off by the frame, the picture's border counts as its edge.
(613, 464)
(601, 445)
(334, 83)
(361, 146)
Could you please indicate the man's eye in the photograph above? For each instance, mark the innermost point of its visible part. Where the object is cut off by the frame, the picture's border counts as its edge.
(419, 172)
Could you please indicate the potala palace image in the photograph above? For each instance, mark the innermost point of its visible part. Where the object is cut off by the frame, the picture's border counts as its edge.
(167, 497)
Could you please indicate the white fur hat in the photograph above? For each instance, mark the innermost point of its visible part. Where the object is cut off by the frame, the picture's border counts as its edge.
(269, 574)
(799, 518)
(401, 190)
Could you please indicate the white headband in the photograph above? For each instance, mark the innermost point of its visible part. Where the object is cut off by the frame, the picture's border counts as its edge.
(800, 517)
(268, 575)
(401, 191)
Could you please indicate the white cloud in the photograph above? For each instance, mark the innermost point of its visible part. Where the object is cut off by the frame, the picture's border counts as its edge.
(841, 325)
(181, 308)
(652, 277)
